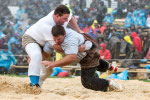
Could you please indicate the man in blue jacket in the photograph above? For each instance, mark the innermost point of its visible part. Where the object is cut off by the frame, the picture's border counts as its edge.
(129, 20)
(6, 58)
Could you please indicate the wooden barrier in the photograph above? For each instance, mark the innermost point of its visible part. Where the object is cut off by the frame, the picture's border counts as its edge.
(119, 22)
(76, 70)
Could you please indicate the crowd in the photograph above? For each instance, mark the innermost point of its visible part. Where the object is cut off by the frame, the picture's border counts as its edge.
(97, 21)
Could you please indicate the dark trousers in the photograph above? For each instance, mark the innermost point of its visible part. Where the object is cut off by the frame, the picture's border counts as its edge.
(90, 81)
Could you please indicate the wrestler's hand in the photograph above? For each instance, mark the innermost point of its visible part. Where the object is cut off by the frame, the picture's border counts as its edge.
(82, 48)
(48, 64)
(29, 59)
(81, 32)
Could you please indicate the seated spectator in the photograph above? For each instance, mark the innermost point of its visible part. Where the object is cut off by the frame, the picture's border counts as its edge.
(128, 43)
(136, 41)
(103, 28)
(132, 54)
(13, 49)
(87, 28)
(92, 34)
(146, 10)
(137, 11)
(8, 29)
(146, 43)
(114, 46)
(82, 23)
(100, 39)
(13, 39)
(17, 24)
(140, 20)
(20, 30)
(106, 34)
(128, 20)
(6, 58)
(96, 25)
(20, 12)
(104, 53)
(133, 28)
(109, 18)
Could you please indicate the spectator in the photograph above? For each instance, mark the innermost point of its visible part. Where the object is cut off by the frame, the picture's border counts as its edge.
(13, 49)
(109, 17)
(6, 58)
(13, 39)
(126, 32)
(16, 27)
(106, 34)
(102, 10)
(133, 28)
(136, 41)
(114, 46)
(82, 23)
(103, 27)
(137, 11)
(92, 34)
(8, 30)
(146, 11)
(100, 39)
(87, 28)
(129, 20)
(140, 20)
(146, 43)
(20, 12)
(95, 24)
(20, 30)
(133, 54)
(128, 43)
(122, 8)
(96, 28)
(104, 53)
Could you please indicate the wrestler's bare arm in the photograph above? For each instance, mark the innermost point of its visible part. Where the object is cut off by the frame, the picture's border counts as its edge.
(68, 59)
(73, 24)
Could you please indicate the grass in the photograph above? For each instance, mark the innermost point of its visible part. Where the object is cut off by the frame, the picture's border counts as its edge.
(14, 75)
(144, 80)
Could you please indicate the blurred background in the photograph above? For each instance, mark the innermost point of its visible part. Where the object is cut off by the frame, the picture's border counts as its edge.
(120, 27)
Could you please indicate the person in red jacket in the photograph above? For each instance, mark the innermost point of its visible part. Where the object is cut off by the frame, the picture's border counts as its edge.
(136, 41)
(87, 28)
(104, 53)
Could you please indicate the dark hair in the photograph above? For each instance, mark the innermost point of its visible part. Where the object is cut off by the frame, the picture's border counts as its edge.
(58, 30)
(61, 9)
(126, 30)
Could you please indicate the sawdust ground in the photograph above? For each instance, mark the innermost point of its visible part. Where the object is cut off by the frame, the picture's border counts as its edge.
(16, 88)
